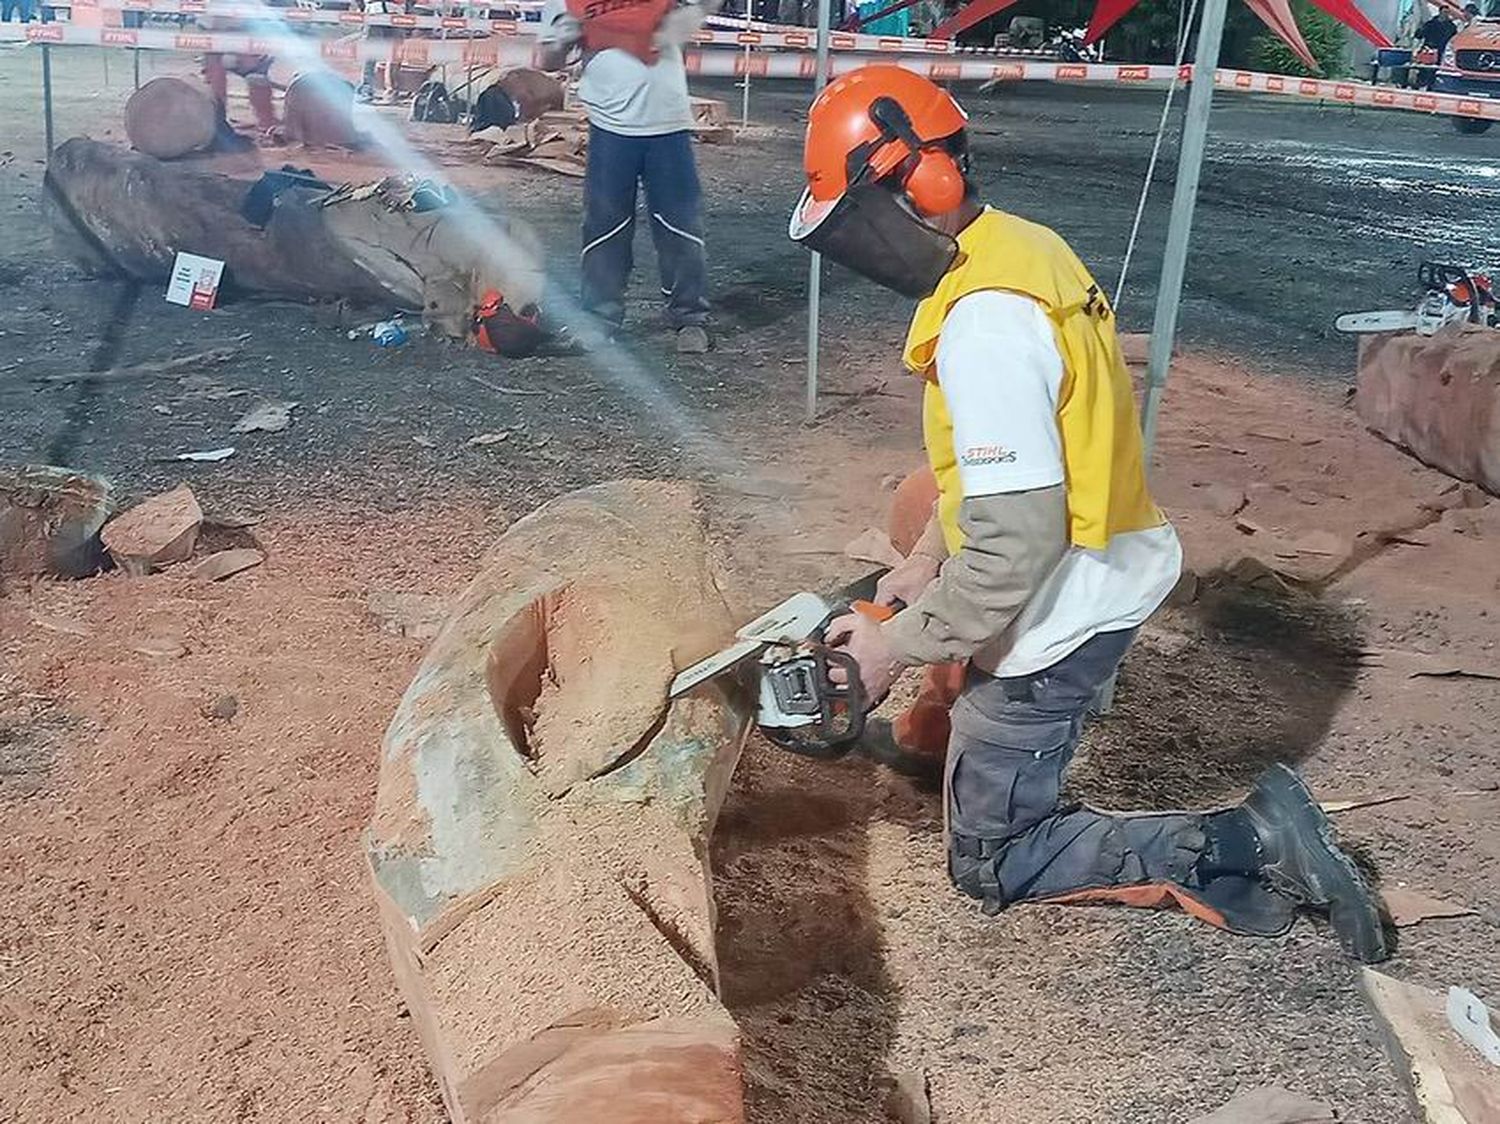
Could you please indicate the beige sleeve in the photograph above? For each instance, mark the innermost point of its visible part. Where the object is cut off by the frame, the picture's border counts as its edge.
(1012, 542)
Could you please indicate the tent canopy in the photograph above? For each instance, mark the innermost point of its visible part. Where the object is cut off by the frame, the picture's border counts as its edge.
(1276, 14)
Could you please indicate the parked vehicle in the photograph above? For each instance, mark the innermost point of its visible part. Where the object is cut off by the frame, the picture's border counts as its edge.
(1471, 66)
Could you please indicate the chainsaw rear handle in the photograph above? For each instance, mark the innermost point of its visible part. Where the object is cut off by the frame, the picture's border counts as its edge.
(1455, 282)
(834, 743)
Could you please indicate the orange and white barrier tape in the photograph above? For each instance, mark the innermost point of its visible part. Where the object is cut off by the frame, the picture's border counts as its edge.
(295, 17)
(764, 36)
(520, 51)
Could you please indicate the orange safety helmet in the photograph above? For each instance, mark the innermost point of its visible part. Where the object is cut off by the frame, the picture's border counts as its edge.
(885, 151)
(883, 120)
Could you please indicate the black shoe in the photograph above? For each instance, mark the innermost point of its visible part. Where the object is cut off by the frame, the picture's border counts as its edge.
(879, 744)
(1302, 861)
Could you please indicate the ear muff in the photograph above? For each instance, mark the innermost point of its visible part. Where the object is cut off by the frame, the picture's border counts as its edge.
(935, 183)
(929, 174)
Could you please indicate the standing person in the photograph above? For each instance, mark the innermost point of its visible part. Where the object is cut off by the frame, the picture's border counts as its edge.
(1436, 32)
(254, 69)
(634, 88)
(1044, 551)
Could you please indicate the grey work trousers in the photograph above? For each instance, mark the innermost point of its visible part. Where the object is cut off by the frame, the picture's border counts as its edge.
(1009, 837)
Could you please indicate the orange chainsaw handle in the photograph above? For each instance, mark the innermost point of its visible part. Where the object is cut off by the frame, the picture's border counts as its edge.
(876, 612)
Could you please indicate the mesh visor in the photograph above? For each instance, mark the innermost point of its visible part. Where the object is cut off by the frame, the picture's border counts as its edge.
(868, 230)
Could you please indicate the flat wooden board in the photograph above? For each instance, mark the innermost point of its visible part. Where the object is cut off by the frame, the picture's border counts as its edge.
(1449, 1080)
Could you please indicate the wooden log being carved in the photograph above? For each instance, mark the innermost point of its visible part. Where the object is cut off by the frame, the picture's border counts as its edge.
(540, 839)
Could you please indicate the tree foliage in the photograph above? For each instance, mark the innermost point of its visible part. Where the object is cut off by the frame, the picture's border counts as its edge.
(1149, 33)
(1327, 39)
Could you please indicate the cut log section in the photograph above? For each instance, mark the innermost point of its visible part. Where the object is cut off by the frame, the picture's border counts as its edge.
(168, 118)
(318, 111)
(1437, 396)
(540, 838)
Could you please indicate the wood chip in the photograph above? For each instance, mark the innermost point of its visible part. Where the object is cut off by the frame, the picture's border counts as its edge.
(266, 417)
(482, 439)
(1324, 543)
(225, 563)
(1224, 499)
(61, 625)
(498, 389)
(160, 647)
(1332, 806)
(872, 545)
(145, 370)
(1410, 907)
(1269, 1104)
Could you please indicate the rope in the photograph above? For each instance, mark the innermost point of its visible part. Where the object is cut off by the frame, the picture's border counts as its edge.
(1185, 27)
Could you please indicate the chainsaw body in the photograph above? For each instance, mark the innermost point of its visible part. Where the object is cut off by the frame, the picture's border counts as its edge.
(798, 706)
(1453, 295)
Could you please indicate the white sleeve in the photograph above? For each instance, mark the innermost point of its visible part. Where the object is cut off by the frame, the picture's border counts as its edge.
(1000, 373)
(557, 26)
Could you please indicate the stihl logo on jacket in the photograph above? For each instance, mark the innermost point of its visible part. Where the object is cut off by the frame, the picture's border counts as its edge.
(629, 25)
(976, 455)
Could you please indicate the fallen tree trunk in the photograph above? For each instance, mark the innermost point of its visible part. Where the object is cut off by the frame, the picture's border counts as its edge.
(540, 838)
(118, 211)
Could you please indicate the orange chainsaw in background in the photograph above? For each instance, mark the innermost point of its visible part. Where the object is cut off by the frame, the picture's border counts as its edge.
(783, 659)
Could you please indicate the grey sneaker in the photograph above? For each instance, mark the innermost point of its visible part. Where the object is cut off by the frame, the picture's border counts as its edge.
(1302, 861)
(692, 339)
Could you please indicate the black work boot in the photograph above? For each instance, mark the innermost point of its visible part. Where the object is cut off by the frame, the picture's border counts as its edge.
(879, 744)
(1300, 859)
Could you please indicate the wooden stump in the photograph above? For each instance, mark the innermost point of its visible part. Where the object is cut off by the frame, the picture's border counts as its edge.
(168, 118)
(318, 110)
(49, 521)
(1437, 396)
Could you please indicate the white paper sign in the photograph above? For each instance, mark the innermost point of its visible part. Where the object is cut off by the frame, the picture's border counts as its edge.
(195, 281)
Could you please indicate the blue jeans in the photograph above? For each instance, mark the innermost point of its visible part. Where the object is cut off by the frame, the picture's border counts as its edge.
(19, 8)
(616, 164)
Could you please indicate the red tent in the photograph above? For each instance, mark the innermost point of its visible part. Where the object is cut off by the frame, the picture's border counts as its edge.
(1277, 15)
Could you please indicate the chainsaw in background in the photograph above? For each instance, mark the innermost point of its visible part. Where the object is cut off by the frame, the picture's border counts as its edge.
(1453, 295)
(784, 658)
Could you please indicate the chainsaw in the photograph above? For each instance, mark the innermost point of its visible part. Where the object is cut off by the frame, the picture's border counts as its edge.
(783, 658)
(1453, 295)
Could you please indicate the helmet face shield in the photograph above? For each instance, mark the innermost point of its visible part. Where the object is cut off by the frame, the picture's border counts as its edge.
(870, 230)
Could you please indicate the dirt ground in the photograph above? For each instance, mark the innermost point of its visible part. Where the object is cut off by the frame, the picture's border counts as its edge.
(185, 930)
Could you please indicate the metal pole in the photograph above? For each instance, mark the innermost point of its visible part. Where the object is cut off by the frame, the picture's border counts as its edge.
(745, 99)
(136, 59)
(815, 267)
(47, 93)
(1189, 167)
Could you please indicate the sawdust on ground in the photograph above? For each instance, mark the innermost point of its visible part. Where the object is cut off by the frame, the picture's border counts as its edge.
(850, 960)
(185, 925)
